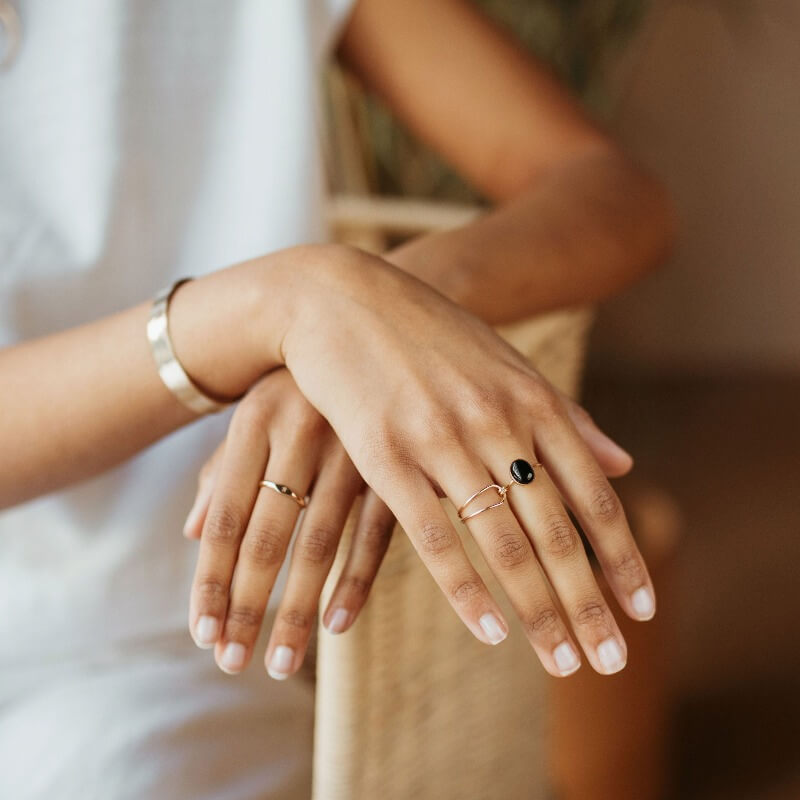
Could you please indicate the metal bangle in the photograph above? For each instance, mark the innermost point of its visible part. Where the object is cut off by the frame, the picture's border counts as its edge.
(170, 369)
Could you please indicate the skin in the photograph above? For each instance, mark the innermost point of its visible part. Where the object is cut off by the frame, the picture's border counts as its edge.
(575, 221)
(571, 179)
(411, 440)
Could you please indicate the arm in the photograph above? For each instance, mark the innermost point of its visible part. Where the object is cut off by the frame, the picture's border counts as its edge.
(575, 221)
(78, 402)
(411, 409)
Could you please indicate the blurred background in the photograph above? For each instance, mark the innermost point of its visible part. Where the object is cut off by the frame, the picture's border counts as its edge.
(697, 370)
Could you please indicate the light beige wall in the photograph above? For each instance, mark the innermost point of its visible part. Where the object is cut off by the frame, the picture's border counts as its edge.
(709, 97)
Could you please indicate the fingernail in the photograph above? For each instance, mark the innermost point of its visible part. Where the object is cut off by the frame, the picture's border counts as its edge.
(492, 628)
(566, 658)
(280, 665)
(339, 620)
(233, 656)
(644, 605)
(609, 653)
(206, 632)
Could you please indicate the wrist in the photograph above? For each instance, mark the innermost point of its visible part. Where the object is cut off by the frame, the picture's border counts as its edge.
(431, 259)
(328, 280)
(227, 327)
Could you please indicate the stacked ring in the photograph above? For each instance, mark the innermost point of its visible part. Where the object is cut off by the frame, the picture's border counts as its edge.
(522, 473)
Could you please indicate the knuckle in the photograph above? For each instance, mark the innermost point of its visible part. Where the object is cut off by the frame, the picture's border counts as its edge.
(438, 428)
(375, 537)
(386, 449)
(522, 384)
(212, 592)
(591, 614)
(265, 545)
(543, 620)
(253, 413)
(487, 411)
(317, 546)
(244, 618)
(628, 566)
(495, 424)
(465, 591)
(561, 540)
(357, 585)
(511, 549)
(604, 505)
(436, 539)
(296, 619)
(546, 404)
(224, 526)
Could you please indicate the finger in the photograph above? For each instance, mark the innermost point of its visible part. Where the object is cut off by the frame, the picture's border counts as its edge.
(205, 488)
(558, 547)
(613, 460)
(368, 546)
(417, 508)
(263, 549)
(510, 556)
(588, 493)
(231, 504)
(335, 491)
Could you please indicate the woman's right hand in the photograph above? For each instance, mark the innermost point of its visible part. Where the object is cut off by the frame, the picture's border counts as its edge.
(429, 400)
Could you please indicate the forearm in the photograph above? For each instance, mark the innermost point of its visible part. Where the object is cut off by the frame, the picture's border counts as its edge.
(81, 401)
(578, 233)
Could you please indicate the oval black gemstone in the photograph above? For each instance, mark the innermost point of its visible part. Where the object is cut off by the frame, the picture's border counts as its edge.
(522, 471)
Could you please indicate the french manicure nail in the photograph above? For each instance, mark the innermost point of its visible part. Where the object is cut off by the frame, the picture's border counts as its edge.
(339, 620)
(280, 665)
(492, 628)
(644, 605)
(233, 657)
(566, 658)
(609, 653)
(206, 631)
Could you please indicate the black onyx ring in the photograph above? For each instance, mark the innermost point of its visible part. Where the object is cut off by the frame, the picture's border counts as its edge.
(521, 473)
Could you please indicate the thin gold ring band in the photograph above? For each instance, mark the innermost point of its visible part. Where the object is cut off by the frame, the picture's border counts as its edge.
(285, 490)
(502, 492)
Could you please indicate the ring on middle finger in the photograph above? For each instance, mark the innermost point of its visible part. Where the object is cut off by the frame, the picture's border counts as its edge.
(522, 473)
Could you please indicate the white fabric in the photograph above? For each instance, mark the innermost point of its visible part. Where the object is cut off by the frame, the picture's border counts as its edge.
(141, 142)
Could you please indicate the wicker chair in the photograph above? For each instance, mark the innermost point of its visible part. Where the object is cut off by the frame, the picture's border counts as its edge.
(408, 703)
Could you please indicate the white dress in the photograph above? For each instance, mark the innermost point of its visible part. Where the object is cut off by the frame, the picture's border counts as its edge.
(141, 142)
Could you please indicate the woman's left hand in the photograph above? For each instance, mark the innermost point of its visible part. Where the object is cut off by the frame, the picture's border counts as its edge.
(275, 433)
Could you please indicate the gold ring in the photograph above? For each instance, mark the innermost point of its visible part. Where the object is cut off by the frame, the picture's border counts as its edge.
(281, 489)
(522, 472)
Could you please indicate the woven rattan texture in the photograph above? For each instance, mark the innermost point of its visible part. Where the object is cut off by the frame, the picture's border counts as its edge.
(409, 704)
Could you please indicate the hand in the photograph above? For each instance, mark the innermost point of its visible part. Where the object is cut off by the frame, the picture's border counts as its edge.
(275, 433)
(427, 399)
